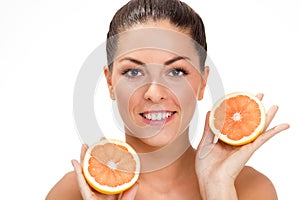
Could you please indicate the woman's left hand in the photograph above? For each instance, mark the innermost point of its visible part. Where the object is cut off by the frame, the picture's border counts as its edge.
(218, 164)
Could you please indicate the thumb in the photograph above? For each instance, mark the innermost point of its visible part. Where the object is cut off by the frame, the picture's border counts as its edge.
(208, 140)
(130, 193)
(207, 137)
(84, 149)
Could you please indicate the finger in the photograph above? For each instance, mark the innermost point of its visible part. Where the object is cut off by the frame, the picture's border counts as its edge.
(131, 193)
(263, 138)
(84, 148)
(83, 186)
(260, 96)
(247, 150)
(270, 116)
(208, 136)
(208, 140)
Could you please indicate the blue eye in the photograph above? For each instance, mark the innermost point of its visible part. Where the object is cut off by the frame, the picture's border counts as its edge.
(177, 72)
(132, 73)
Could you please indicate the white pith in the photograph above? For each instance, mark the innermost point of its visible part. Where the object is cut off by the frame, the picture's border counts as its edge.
(112, 165)
(107, 189)
(237, 117)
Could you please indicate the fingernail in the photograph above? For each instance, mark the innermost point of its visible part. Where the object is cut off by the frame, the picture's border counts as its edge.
(215, 139)
(72, 161)
(84, 147)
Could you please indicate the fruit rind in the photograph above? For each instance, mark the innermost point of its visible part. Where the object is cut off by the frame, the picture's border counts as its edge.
(245, 139)
(107, 189)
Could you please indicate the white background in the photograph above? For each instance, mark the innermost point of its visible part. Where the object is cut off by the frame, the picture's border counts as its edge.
(43, 44)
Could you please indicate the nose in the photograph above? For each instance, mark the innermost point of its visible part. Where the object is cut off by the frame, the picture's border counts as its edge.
(155, 93)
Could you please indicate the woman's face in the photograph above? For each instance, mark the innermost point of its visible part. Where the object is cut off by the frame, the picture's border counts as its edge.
(156, 85)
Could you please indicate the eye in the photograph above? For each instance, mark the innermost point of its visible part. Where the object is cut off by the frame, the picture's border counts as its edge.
(177, 72)
(132, 73)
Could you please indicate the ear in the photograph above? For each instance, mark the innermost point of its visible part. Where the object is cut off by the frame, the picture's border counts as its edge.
(204, 75)
(108, 77)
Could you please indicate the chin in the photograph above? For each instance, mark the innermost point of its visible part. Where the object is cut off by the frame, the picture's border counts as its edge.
(158, 141)
(153, 136)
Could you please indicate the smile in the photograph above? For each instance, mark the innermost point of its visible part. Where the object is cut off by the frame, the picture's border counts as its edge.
(157, 116)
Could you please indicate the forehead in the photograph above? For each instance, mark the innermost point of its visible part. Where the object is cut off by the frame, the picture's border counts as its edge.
(156, 42)
(153, 56)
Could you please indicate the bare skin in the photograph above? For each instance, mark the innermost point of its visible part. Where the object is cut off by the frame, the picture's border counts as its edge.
(174, 183)
(250, 184)
(213, 171)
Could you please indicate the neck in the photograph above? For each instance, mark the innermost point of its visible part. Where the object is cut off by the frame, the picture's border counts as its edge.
(179, 168)
(178, 180)
(154, 159)
(172, 165)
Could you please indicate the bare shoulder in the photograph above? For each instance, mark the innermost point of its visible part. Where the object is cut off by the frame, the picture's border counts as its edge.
(251, 184)
(65, 189)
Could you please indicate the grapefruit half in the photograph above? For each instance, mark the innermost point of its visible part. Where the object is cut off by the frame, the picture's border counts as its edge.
(237, 118)
(111, 166)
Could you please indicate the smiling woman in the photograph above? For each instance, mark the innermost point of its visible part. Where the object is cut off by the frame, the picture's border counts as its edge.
(157, 84)
(156, 52)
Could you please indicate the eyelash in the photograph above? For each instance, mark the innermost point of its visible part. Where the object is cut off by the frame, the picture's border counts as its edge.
(179, 69)
(126, 71)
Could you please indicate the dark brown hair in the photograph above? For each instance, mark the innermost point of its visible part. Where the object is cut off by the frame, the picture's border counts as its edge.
(140, 11)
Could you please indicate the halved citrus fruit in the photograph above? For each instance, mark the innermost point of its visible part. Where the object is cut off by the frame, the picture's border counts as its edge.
(237, 118)
(111, 166)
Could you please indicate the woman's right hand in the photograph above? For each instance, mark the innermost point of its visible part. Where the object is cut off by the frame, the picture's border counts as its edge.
(89, 193)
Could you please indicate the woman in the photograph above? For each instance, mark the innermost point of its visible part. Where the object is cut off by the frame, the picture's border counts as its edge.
(156, 53)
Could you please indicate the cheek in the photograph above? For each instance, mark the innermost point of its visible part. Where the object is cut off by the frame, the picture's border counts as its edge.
(187, 101)
(122, 95)
(127, 97)
(185, 90)
(186, 95)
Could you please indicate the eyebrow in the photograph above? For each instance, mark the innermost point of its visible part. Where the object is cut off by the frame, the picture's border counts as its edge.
(168, 62)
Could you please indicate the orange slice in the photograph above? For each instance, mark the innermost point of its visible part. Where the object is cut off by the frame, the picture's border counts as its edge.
(111, 166)
(237, 118)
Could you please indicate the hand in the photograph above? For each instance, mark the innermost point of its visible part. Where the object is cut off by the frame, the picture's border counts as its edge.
(89, 193)
(218, 164)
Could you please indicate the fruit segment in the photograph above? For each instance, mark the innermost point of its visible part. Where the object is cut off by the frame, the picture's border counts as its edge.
(237, 118)
(111, 166)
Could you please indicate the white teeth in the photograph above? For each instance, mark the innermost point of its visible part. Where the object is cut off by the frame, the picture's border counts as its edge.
(157, 116)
